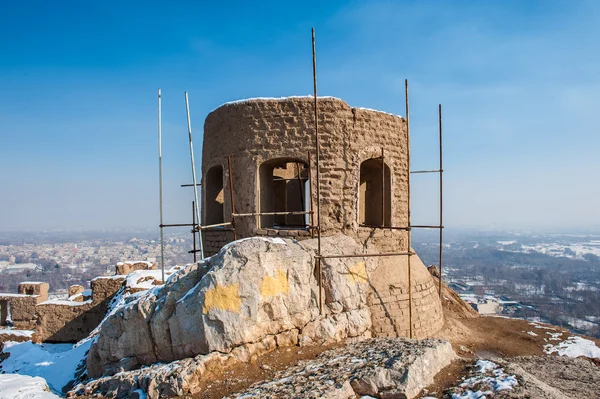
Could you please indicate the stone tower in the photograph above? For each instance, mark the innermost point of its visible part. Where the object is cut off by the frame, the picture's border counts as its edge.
(269, 141)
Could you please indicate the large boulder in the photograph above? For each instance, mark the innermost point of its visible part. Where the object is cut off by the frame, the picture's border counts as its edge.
(254, 290)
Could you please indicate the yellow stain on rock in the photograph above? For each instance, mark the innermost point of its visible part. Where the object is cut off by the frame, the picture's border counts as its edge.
(272, 286)
(358, 273)
(225, 297)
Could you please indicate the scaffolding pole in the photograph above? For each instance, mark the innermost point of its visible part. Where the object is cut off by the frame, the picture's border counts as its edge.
(194, 229)
(300, 187)
(441, 197)
(233, 215)
(382, 188)
(310, 194)
(189, 124)
(410, 329)
(317, 160)
(160, 189)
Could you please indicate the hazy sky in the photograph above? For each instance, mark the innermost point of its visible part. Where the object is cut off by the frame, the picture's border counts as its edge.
(519, 82)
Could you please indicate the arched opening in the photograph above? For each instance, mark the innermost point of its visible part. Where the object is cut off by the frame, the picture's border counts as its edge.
(283, 188)
(214, 195)
(375, 193)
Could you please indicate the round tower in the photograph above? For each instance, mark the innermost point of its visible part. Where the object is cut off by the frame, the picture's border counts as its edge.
(363, 184)
(270, 142)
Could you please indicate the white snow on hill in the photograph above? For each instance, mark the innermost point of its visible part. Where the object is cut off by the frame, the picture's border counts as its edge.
(14, 386)
(56, 363)
(574, 347)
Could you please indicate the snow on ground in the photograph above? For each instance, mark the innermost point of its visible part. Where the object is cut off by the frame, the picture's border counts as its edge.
(511, 242)
(14, 386)
(17, 333)
(145, 279)
(536, 325)
(56, 363)
(574, 347)
(35, 365)
(573, 251)
(488, 378)
(553, 336)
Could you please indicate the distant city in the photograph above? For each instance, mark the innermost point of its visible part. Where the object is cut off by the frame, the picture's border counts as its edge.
(66, 258)
(553, 278)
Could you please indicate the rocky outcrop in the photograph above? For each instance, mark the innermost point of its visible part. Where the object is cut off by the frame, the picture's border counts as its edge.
(252, 289)
(384, 368)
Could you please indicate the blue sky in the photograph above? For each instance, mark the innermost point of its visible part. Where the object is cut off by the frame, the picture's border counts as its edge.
(519, 82)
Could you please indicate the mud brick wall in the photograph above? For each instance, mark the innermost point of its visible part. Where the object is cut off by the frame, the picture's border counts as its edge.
(22, 309)
(388, 299)
(259, 130)
(215, 239)
(68, 321)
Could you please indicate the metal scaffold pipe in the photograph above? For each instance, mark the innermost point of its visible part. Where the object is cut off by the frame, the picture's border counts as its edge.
(317, 160)
(189, 124)
(160, 189)
(441, 196)
(410, 328)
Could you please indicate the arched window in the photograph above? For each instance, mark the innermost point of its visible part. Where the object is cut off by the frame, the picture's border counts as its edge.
(283, 188)
(213, 189)
(375, 194)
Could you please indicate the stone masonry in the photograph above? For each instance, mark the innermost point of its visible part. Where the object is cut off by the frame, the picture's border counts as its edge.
(257, 131)
(269, 141)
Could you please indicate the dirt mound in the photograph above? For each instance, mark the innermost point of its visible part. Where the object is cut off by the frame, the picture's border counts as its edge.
(453, 305)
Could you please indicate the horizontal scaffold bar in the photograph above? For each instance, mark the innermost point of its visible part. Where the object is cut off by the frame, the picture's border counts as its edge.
(272, 213)
(427, 171)
(364, 255)
(384, 227)
(214, 225)
(177, 225)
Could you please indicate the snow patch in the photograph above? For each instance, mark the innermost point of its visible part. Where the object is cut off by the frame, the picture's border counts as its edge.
(16, 333)
(15, 386)
(574, 347)
(488, 379)
(274, 240)
(56, 363)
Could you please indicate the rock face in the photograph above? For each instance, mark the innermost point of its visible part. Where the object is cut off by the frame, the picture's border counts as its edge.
(383, 367)
(253, 289)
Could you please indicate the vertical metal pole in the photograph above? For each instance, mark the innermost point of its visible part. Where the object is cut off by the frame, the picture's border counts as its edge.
(160, 189)
(300, 186)
(382, 188)
(231, 196)
(441, 195)
(410, 329)
(194, 228)
(310, 195)
(189, 123)
(316, 109)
